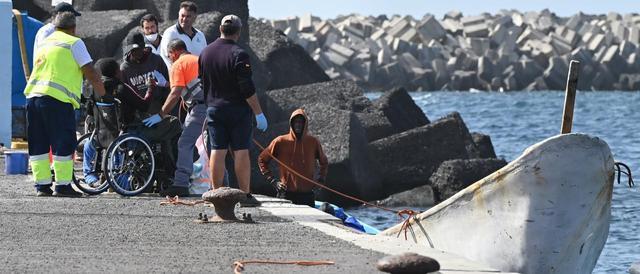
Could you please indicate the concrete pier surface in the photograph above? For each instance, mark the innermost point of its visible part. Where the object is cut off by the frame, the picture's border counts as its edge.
(108, 233)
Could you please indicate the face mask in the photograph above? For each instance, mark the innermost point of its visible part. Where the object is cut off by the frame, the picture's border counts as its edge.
(151, 37)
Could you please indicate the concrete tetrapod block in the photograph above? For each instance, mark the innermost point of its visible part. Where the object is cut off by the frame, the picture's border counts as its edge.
(634, 35)
(555, 75)
(521, 192)
(455, 175)
(485, 69)
(376, 124)
(421, 196)
(403, 113)
(613, 61)
(287, 63)
(114, 26)
(484, 145)
(406, 159)
(430, 28)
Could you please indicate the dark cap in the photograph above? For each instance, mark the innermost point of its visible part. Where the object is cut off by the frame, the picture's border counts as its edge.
(133, 41)
(64, 6)
(231, 20)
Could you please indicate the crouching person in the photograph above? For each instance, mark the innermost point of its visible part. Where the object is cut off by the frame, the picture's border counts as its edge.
(299, 151)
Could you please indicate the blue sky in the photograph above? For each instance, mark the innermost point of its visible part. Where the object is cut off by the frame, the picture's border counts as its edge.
(274, 9)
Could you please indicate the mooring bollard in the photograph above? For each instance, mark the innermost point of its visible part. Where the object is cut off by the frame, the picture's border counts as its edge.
(570, 96)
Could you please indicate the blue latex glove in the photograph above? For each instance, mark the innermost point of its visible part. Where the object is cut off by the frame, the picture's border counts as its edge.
(149, 122)
(261, 121)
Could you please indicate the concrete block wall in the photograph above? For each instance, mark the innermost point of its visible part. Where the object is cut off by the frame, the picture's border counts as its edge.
(400, 50)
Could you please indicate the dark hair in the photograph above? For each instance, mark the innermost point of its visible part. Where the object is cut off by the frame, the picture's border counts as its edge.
(228, 29)
(107, 67)
(149, 17)
(190, 6)
(176, 44)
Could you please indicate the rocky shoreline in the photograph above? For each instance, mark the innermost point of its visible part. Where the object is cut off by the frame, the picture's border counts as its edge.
(507, 51)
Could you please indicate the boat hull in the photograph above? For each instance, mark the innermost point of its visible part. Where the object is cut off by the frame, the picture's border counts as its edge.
(546, 212)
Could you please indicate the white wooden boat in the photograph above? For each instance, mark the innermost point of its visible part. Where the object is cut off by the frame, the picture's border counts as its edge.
(546, 212)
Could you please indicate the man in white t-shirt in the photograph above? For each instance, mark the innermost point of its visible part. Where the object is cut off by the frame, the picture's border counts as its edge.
(184, 30)
(49, 28)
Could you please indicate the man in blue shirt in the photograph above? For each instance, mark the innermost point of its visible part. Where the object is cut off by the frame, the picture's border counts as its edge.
(231, 99)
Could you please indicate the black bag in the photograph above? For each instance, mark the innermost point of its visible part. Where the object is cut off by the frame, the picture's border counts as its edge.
(107, 126)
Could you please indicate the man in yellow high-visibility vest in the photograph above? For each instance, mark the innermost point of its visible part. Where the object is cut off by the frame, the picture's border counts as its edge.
(53, 93)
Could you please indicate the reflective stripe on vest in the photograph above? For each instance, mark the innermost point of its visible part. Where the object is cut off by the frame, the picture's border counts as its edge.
(56, 73)
(57, 86)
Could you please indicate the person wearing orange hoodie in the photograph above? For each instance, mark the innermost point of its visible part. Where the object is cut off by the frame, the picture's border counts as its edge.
(299, 151)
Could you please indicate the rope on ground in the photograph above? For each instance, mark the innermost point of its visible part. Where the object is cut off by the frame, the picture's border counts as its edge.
(619, 167)
(176, 201)
(238, 266)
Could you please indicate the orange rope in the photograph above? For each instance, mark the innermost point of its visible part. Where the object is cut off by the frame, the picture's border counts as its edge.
(410, 213)
(176, 201)
(406, 225)
(238, 266)
(321, 185)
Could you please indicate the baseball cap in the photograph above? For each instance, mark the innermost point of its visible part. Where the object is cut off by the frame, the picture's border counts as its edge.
(64, 6)
(232, 20)
(133, 41)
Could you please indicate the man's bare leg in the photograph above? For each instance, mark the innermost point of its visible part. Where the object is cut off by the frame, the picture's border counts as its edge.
(216, 167)
(242, 166)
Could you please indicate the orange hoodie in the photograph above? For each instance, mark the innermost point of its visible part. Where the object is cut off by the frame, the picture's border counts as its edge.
(300, 155)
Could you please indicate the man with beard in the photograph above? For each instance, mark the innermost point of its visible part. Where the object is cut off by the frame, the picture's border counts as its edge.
(149, 27)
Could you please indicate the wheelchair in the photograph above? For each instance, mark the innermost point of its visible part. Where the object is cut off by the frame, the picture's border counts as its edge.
(124, 160)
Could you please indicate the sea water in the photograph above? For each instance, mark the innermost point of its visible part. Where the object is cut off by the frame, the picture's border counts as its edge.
(518, 120)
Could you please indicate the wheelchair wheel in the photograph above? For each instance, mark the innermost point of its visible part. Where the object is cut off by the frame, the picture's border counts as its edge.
(78, 176)
(129, 165)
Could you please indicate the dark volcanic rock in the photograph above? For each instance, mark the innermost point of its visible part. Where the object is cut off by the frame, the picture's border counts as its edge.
(344, 142)
(421, 196)
(34, 10)
(455, 175)
(401, 110)
(407, 159)
(339, 94)
(288, 63)
(484, 144)
(407, 263)
(376, 124)
(114, 25)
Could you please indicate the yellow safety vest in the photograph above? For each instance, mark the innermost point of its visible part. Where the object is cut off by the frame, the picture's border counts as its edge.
(56, 72)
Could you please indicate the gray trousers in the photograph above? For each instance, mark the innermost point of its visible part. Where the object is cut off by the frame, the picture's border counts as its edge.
(192, 129)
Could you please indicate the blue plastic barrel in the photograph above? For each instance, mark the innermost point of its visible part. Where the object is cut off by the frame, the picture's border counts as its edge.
(18, 82)
(16, 162)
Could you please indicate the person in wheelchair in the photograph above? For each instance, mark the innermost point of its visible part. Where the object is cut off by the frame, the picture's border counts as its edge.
(132, 109)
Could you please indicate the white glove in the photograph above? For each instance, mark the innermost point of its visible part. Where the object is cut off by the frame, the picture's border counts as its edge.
(160, 79)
